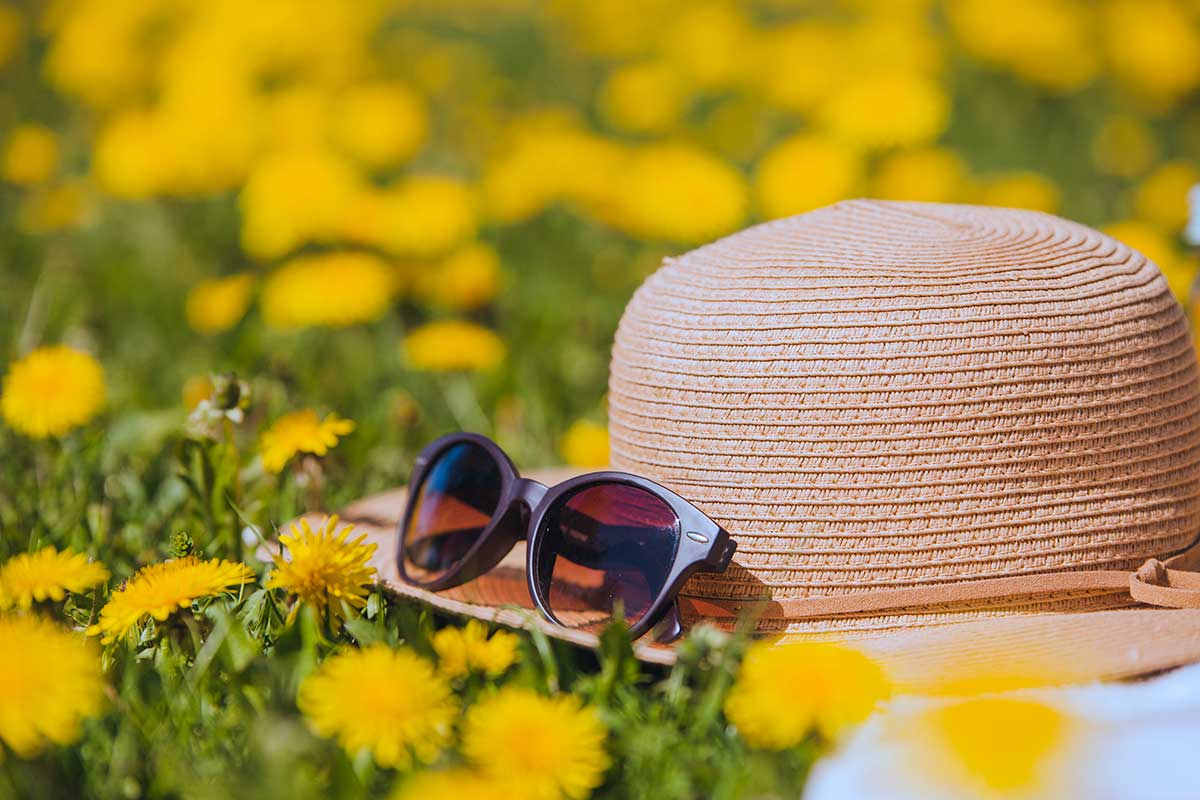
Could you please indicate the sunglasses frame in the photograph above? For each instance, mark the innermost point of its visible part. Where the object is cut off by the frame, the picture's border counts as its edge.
(521, 515)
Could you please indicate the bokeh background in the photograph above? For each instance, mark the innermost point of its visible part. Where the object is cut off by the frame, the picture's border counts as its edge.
(428, 215)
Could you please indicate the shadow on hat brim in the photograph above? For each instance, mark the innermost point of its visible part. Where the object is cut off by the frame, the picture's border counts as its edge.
(997, 653)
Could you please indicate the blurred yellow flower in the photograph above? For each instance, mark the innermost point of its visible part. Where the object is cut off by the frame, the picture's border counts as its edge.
(1153, 47)
(1161, 198)
(50, 681)
(783, 691)
(553, 746)
(54, 207)
(467, 278)
(585, 444)
(217, 304)
(930, 174)
(295, 118)
(295, 197)
(1154, 244)
(47, 575)
(324, 569)
(798, 65)
(707, 42)
(805, 172)
(1124, 145)
(468, 649)
(1050, 43)
(455, 783)
(208, 117)
(51, 391)
(12, 28)
(328, 289)
(449, 345)
(388, 702)
(30, 155)
(616, 28)
(195, 389)
(549, 162)
(677, 193)
(989, 745)
(888, 109)
(158, 590)
(381, 124)
(300, 432)
(1022, 189)
(96, 52)
(131, 158)
(903, 40)
(650, 97)
(422, 216)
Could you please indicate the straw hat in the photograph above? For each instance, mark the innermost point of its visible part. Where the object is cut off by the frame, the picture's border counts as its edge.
(946, 432)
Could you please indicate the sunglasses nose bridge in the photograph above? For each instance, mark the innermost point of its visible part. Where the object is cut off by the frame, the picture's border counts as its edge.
(529, 492)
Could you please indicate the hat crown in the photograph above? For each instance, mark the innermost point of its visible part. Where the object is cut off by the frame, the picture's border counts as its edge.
(885, 395)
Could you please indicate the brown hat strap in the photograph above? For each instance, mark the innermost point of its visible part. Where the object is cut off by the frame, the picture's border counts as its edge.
(1171, 585)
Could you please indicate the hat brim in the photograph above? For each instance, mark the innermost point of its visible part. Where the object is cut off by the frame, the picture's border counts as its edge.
(1006, 651)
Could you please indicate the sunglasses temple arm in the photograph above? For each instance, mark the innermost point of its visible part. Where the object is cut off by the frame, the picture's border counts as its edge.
(670, 627)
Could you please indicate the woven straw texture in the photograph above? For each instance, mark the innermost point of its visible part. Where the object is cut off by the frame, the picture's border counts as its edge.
(884, 395)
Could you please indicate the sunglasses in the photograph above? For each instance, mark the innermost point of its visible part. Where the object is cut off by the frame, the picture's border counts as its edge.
(598, 546)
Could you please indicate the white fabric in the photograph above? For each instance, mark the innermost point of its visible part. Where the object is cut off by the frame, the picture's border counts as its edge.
(1135, 740)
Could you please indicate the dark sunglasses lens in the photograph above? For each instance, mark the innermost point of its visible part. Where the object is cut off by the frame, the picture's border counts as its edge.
(605, 547)
(453, 506)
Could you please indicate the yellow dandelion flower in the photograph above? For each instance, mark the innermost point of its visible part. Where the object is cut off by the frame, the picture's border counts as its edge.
(55, 207)
(1050, 43)
(1124, 145)
(96, 52)
(47, 575)
(295, 197)
(800, 64)
(218, 304)
(585, 444)
(783, 691)
(1161, 199)
(195, 389)
(617, 28)
(932, 174)
(54, 684)
(328, 290)
(30, 155)
(130, 158)
(380, 124)
(988, 745)
(1154, 244)
(644, 98)
(12, 26)
(1021, 189)
(388, 702)
(423, 216)
(707, 41)
(467, 278)
(300, 432)
(678, 193)
(324, 569)
(806, 172)
(449, 345)
(888, 109)
(549, 161)
(553, 746)
(52, 391)
(1153, 47)
(452, 784)
(468, 649)
(158, 590)
(296, 118)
